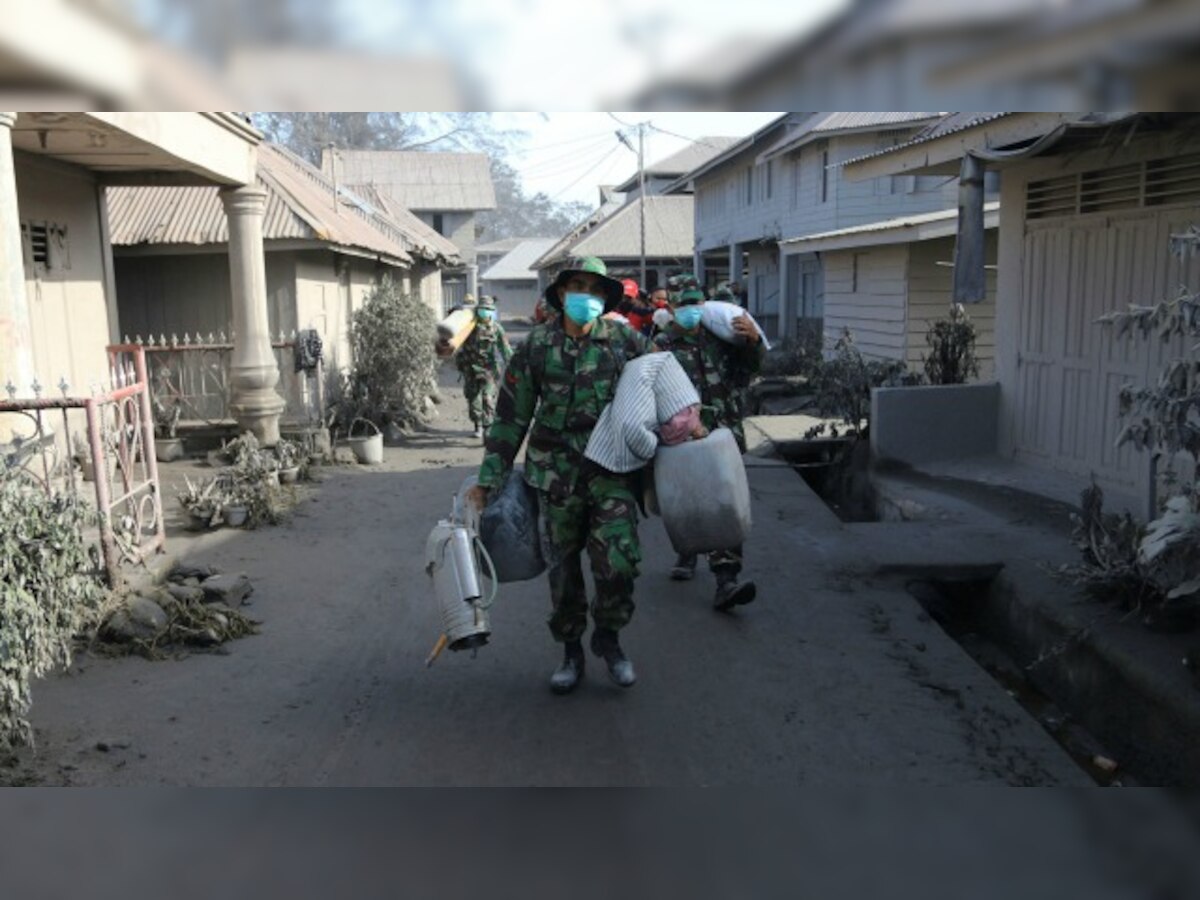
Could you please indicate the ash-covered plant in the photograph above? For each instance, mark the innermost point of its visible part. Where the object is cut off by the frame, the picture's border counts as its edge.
(395, 367)
(844, 382)
(1164, 419)
(951, 341)
(802, 354)
(50, 591)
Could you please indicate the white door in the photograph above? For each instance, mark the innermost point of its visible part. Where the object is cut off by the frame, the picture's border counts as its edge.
(1069, 369)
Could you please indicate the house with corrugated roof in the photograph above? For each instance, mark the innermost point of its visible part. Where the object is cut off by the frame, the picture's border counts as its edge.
(325, 248)
(512, 280)
(658, 175)
(487, 255)
(446, 191)
(818, 254)
(1089, 203)
(618, 232)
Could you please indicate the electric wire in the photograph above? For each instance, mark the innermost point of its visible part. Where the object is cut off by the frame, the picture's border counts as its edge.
(587, 172)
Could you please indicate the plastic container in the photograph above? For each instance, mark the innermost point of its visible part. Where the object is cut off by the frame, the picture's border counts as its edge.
(455, 328)
(702, 493)
(367, 448)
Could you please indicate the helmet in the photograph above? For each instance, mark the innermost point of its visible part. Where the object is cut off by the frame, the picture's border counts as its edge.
(613, 290)
(468, 299)
(630, 288)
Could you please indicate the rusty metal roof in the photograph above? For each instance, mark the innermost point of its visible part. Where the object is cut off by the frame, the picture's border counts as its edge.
(300, 205)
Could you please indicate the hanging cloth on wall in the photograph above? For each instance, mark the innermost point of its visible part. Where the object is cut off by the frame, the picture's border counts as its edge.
(308, 350)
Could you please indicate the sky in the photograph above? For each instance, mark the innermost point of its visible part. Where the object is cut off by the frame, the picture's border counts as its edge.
(568, 155)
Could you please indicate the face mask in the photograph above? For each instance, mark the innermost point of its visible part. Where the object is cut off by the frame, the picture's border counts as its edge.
(688, 317)
(583, 309)
(485, 314)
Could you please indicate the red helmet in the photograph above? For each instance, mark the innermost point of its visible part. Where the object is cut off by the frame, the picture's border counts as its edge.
(630, 286)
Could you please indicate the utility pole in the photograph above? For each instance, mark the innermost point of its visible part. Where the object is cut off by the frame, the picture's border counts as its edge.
(642, 196)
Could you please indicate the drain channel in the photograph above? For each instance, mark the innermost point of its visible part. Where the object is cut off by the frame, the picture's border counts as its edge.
(958, 607)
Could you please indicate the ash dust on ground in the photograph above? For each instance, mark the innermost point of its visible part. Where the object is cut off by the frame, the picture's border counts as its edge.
(827, 678)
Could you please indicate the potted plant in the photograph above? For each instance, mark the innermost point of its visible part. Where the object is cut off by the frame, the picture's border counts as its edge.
(167, 446)
(203, 502)
(290, 456)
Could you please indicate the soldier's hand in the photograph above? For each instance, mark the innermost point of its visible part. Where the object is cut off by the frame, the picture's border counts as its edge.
(745, 329)
(477, 496)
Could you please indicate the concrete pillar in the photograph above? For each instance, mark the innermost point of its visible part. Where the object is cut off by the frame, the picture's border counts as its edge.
(473, 280)
(16, 333)
(735, 263)
(698, 266)
(253, 372)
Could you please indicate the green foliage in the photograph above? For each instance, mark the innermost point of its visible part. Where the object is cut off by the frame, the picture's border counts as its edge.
(395, 368)
(951, 343)
(50, 590)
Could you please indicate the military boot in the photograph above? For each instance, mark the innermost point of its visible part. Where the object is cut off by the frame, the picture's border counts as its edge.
(607, 647)
(567, 676)
(730, 593)
(685, 567)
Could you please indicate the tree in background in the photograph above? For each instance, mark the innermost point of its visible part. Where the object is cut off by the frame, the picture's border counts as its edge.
(516, 215)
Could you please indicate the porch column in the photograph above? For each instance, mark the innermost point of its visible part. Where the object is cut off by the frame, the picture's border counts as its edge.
(735, 263)
(253, 372)
(698, 267)
(16, 334)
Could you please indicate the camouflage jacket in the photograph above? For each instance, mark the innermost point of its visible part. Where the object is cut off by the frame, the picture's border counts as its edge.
(555, 388)
(720, 371)
(485, 351)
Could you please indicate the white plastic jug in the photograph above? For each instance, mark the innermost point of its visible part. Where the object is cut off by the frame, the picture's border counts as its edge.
(703, 494)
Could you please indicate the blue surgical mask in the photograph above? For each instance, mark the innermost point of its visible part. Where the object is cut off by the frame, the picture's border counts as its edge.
(486, 314)
(688, 317)
(582, 309)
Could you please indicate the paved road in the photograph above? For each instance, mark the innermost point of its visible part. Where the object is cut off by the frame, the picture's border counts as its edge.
(830, 678)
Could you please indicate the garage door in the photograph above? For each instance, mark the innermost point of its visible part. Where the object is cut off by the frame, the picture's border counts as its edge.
(1069, 369)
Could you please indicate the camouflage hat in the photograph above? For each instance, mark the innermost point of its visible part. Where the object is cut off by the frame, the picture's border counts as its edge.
(613, 289)
(687, 298)
(486, 301)
(468, 299)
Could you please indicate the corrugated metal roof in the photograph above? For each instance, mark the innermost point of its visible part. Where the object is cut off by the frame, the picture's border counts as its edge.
(691, 156)
(786, 120)
(517, 264)
(500, 246)
(300, 205)
(947, 216)
(420, 181)
(428, 242)
(823, 124)
(669, 233)
(951, 123)
(606, 209)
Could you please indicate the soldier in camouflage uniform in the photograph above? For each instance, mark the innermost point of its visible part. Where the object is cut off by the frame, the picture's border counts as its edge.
(721, 373)
(555, 387)
(480, 360)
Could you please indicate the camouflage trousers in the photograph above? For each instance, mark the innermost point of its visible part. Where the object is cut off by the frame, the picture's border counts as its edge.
(720, 561)
(601, 517)
(481, 391)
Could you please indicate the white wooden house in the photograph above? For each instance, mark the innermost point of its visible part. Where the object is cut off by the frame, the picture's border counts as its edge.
(1087, 205)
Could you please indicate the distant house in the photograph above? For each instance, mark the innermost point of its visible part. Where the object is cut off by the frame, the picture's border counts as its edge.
(321, 256)
(444, 190)
(818, 253)
(1087, 205)
(660, 174)
(487, 255)
(616, 236)
(512, 280)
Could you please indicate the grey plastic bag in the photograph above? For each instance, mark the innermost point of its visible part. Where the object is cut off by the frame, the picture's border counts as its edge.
(509, 531)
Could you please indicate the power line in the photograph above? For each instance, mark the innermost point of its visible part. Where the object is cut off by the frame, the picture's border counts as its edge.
(620, 121)
(574, 140)
(589, 171)
(556, 166)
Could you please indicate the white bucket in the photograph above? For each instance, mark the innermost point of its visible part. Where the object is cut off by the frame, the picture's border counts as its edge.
(368, 448)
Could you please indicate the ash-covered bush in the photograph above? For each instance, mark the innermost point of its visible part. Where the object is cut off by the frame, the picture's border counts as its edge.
(392, 336)
(50, 590)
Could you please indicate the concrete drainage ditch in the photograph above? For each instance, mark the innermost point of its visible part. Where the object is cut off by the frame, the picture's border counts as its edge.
(1107, 711)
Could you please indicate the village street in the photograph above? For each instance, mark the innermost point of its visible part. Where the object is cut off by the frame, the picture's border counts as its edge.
(830, 677)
